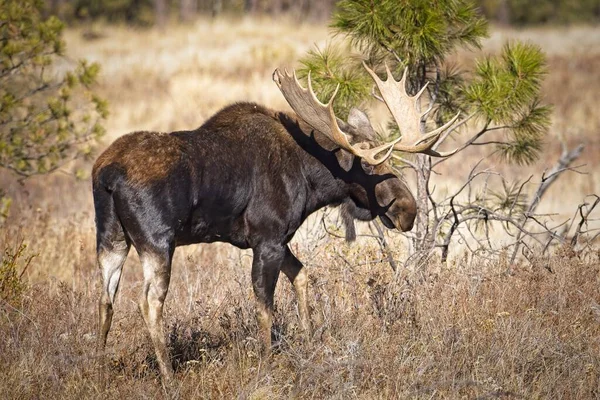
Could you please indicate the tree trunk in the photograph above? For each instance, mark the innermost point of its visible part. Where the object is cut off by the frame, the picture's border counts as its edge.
(160, 12)
(251, 6)
(56, 8)
(187, 10)
(320, 10)
(503, 13)
(276, 7)
(424, 237)
(217, 7)
(300, 9)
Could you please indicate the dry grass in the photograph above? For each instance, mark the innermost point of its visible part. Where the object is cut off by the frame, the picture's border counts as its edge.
(456, 332)
(178, 78)
(460, 331)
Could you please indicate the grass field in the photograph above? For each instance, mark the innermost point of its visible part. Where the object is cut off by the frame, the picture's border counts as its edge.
(462, 330)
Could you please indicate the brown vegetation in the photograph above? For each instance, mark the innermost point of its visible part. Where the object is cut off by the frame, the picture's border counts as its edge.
(463, 330)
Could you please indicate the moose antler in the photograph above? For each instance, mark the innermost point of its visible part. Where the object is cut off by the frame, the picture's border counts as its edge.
(408, 117)
(404, 109)
(321, 116)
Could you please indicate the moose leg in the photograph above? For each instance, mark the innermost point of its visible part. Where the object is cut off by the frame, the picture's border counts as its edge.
(110, 261)
(266, 265)
(157, 273)
(297, 275)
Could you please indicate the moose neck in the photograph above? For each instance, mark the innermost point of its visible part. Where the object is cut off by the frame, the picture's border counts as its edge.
(334, 174)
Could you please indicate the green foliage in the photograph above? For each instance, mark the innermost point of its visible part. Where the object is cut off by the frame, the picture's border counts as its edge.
(449, 97)
(502, 85)
(420, 31)
(503, 91)
(46, 115)
(416, 34)
(13, 265)
(331, 68)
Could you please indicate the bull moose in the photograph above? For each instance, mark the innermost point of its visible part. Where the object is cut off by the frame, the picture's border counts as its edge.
(249, 176)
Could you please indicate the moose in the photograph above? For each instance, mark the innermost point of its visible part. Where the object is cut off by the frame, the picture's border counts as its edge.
(248, 176)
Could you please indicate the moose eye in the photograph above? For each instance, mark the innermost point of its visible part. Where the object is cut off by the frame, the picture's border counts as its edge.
(368, 168)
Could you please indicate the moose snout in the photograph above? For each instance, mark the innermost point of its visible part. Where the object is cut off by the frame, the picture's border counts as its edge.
(407, 222)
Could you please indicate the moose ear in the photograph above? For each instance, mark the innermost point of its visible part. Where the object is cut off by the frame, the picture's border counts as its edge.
(361, 127)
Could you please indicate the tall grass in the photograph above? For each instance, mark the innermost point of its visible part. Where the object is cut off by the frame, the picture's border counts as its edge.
(448, 332)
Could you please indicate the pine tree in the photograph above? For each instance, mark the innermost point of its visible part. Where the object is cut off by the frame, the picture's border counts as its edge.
(499, 99)
(48, 116)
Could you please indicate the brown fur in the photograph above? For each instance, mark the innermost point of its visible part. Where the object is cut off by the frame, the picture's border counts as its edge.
(146, 156)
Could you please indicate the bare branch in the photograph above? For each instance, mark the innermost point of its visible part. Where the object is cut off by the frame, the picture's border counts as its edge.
(384, 245)
(405, 161)
(562, 165)
(584, 218)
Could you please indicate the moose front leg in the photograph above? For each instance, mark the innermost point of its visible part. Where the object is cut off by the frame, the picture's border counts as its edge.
(297, 275)
(266, 265)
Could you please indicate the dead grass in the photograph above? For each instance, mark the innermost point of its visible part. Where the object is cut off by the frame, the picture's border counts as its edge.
(448, 332)
(459, 331)
(177, 78)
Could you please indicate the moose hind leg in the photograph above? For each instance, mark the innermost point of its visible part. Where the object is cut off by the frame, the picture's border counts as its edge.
(297, 275)
(266, 265)
(157, 272)
(110, 261)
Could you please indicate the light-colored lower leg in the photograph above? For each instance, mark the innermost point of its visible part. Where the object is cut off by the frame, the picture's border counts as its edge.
(110, 263)
(105, 314)
(265, 323)
(156, 285)
(298, 276)
(301, 287)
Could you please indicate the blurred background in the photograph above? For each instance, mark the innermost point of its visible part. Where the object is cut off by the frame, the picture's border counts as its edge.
(147, 12)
